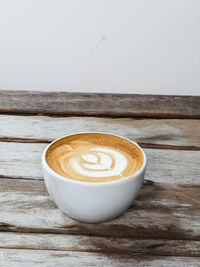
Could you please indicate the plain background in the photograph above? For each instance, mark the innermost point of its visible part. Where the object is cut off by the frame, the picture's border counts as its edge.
(122, 46)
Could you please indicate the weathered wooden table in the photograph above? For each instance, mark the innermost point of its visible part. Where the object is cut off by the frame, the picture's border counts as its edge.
(161, 228)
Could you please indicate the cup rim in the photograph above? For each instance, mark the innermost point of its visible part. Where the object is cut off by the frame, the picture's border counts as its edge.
(63, 178)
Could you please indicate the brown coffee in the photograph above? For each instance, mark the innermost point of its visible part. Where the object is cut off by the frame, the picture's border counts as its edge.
(94, 157)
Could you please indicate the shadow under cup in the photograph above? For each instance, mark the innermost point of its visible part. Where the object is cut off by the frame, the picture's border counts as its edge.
(92, 202)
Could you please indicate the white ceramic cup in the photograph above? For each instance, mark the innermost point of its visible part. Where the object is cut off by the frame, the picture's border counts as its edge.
(92, 202)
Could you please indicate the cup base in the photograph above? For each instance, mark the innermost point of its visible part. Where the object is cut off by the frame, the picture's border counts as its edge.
(95, 221)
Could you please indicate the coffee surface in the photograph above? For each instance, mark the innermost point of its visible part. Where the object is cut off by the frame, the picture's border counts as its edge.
(94, 157)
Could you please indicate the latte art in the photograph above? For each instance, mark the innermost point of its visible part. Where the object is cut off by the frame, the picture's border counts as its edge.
(94, 162)
(91, 161)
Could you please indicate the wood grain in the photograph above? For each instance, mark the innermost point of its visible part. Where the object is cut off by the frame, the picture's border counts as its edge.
(162, 226)
(23, 160)
(65, 103)
(81, 243)
(161, 211)
(24, 258)
(168, 132)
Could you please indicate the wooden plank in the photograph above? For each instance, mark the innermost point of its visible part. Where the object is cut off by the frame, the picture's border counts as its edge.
(23, 160)
(162, 247)
(161, 211)
(66, 103)
(182, 133)
(13, 257)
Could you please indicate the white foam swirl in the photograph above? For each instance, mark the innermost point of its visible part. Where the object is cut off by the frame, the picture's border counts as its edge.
(90, 161)
(104, 168)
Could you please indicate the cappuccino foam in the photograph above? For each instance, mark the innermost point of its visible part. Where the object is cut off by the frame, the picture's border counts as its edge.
(94, 157)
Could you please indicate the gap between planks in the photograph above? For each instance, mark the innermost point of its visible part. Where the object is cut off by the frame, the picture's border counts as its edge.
(81, 243)
(100, 116)
(143, 145)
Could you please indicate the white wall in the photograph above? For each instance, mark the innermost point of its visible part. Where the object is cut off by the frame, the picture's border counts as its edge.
(127, 46)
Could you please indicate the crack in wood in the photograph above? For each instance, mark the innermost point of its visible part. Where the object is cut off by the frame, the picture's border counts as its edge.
(6, 227)
(155, 246)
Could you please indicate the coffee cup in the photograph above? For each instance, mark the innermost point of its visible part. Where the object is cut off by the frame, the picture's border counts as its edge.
(87, 189)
